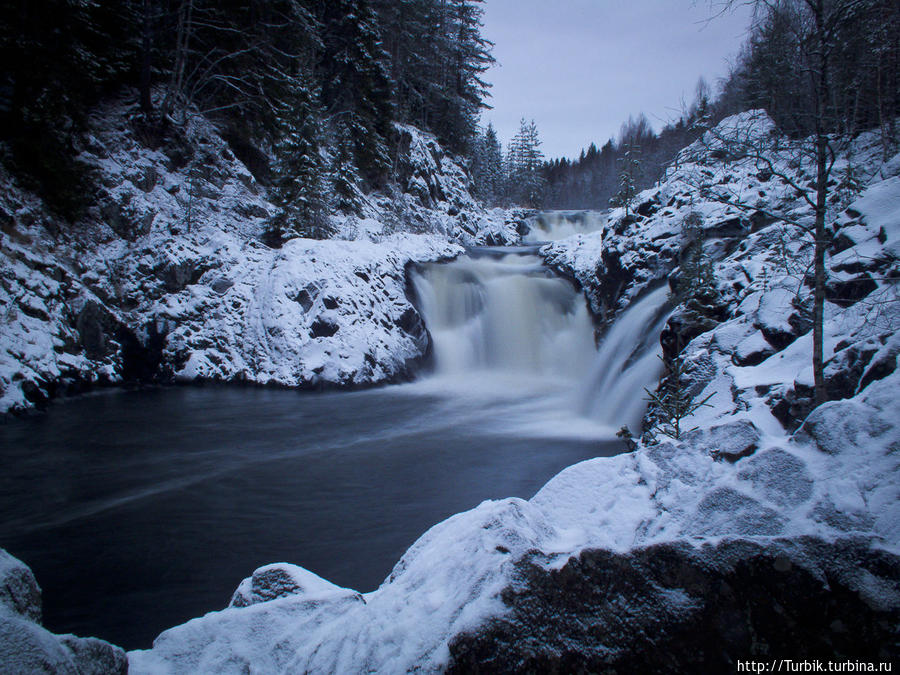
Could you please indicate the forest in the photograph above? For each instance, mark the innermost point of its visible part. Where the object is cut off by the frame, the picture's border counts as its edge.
(307, 92)
(304, 369)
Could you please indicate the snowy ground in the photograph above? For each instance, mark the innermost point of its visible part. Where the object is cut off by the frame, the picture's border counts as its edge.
(744, 473)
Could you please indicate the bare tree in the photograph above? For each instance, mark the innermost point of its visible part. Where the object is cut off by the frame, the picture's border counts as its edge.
(815, 27)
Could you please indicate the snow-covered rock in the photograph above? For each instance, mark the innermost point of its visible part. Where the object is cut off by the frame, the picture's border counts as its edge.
(167, 277)
(27, 647)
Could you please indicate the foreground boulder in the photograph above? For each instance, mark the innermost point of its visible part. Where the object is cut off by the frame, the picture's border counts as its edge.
(27, 647)
(675, 608)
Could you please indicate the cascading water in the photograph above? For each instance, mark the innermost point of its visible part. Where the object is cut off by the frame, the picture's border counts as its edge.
(627, 361)
(554, 225)
(499, 319)
(505, 314)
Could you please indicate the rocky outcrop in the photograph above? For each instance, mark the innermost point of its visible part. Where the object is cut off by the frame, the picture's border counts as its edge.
(673, 608)
(166, 275)
(27, 647)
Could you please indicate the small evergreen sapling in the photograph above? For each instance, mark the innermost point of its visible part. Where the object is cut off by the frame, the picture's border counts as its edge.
(631, 164)
(696, 282)
(674, 402)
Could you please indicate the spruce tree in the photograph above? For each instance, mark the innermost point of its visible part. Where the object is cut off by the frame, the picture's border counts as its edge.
(356, 87)
(630, 166)
(487, 166)
(344, 178)
(298, 188)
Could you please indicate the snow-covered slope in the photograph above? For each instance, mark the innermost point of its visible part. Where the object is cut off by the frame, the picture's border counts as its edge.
(166, 275)
(677, 539)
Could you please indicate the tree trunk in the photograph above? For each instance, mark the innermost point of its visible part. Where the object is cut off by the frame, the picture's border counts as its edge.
(819, 267)
(146, 102)
(822, 171)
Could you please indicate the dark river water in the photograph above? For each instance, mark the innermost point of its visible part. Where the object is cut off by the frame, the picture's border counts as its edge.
(140, 510)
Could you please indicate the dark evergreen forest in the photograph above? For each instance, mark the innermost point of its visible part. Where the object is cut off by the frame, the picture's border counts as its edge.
(307, 92)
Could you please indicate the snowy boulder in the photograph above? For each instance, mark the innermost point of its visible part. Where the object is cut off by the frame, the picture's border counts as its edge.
(282, 579)
(730, 441)
(26, 647)
(839, 426)
(19, 591)
(779, 476)
(726, 511)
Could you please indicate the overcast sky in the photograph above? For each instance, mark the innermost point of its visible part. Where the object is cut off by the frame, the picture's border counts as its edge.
(580, 67)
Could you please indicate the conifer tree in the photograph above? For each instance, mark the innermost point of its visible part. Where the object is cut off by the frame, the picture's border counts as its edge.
(356, 86)
(298, 188)
(630, 165)
(487, 166)
(524, 165)
(344, 178)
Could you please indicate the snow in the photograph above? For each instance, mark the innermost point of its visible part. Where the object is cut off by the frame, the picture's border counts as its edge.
(27, 647)
(880, 206)
(173, 247)
(312, 311)
(741, 474)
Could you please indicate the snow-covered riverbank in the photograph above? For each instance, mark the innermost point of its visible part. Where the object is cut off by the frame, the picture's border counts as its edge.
(744, 498)
(166, 275)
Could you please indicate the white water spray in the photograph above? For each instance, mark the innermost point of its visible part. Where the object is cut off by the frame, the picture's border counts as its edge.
(501, 320)
(554, 225)
(627, 361)
(504, 314)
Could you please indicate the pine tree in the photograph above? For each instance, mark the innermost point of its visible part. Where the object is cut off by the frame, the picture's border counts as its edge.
(630, 166)
(298, 188)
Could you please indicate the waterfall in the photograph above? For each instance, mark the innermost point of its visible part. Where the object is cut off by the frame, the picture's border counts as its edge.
(504, 313)
(501, 319)
(627, 361)
(553, 225)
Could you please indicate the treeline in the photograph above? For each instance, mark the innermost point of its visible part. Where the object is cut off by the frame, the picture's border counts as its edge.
(319, 83)
(776, 70)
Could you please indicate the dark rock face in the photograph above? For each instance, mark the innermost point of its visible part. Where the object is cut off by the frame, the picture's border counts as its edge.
(142, 355)
(849, 292)
(852, 368)
(266, 584)
(695, 317)
(322, 328)
(791, 407)
(730, 442)
(672, 608)
(96, 325)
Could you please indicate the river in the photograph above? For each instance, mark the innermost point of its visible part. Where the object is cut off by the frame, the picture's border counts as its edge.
(138, 510)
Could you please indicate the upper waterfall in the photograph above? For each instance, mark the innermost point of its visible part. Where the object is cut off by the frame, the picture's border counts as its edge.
(554, 225)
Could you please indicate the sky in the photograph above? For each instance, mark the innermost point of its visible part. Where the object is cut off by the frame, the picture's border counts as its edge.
(579, 68)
